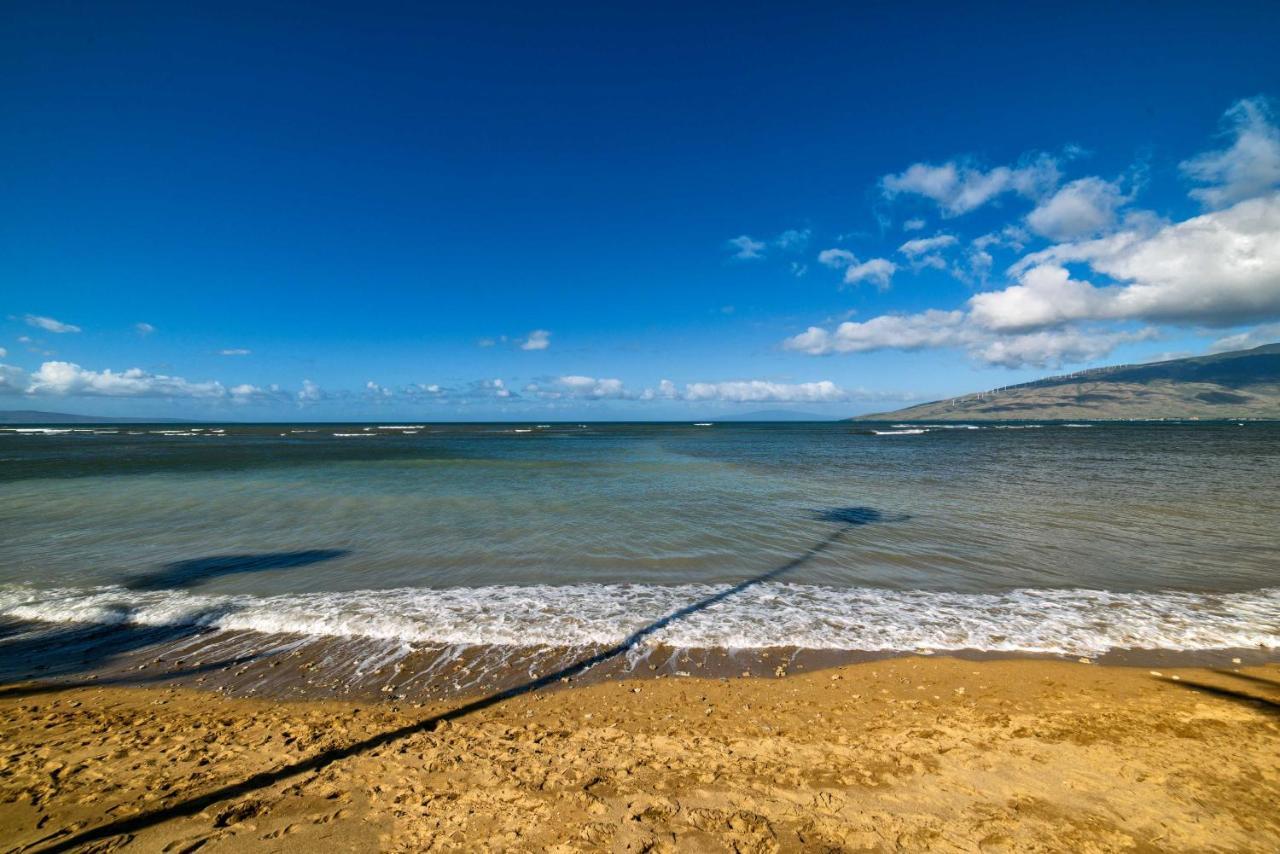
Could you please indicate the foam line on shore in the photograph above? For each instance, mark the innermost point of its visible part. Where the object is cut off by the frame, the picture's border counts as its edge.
(1072, 622)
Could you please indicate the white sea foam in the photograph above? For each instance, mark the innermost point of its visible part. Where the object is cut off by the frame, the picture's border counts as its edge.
(1071, 622)
(41, 431)
(352, 435)
(909, 432)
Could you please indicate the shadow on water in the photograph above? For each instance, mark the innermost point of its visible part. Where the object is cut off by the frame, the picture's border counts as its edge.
(53, 652)
(30, 651)
(848, 518)
(190, 573)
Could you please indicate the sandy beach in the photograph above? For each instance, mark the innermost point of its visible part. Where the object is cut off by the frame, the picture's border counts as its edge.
(903, 754)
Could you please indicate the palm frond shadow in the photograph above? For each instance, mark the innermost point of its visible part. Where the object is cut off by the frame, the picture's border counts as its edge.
(848, 518)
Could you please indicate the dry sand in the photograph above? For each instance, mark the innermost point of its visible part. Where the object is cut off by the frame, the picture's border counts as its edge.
(905, 754)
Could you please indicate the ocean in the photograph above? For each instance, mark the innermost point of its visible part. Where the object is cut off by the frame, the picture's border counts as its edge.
(458, 554)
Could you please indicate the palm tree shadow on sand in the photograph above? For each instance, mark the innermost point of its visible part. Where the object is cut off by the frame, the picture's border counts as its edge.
(847, 518)
(1263, 704)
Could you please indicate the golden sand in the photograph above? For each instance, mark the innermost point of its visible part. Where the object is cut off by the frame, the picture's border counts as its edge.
(905, 754)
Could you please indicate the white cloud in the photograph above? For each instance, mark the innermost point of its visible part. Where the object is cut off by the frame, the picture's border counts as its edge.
(913, 225)
(763, 391)
(1266, 333)
(1218, 269)
(1250, 167)
(587, 388)
(666, 391)
(793, 239)
(13, 380)
(234, 351)
(934, 329)
(879, 271)
(247, 393)
(837, 259)
(48, 324)
(425, 390)
(310, 392)
(735, 391)
(925, 245)
(377, 392)
(1047, 296)
(3, 352)
(1082, 208)
(539, 339)
(747, 248)
(144, 329)
(958, 187)
(1011, 237)
(1053, 348)
(67, 378)
(490, 388)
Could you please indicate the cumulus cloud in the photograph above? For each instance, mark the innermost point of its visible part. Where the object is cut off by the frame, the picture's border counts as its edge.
(490, 388)
(374, 391)
(1266, 333)
(924, 252)
(247, 393)
(424, 390)
(13, 380)
(746, 249)
(144, 329)
(1249, 167)
(960, 187)
(234, 351)
(539, 339)
(934, 328)
(1218, 269)
(925, 245)
(48, 324)
(763, 391)
(734, 391)
(878, 271)
(793, 239)
(68, 378)
(310, 392)
(1083, 208)
(580, 387)
(1054, 348)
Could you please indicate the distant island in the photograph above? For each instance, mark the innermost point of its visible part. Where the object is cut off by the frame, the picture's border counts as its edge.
(33, 416)
(1238, 384)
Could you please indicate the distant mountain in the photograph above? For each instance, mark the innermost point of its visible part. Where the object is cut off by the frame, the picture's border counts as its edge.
(32, 416)
(1239, 384)
(775, 415)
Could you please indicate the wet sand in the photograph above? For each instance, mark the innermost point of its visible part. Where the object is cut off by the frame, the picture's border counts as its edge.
(908, 753)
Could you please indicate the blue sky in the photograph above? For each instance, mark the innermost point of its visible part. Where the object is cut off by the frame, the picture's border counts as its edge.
(271, 211)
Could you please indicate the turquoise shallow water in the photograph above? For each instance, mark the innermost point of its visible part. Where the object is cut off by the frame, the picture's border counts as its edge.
(1049, 538)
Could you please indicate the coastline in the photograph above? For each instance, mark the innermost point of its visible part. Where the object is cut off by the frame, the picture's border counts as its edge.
(918, 752)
